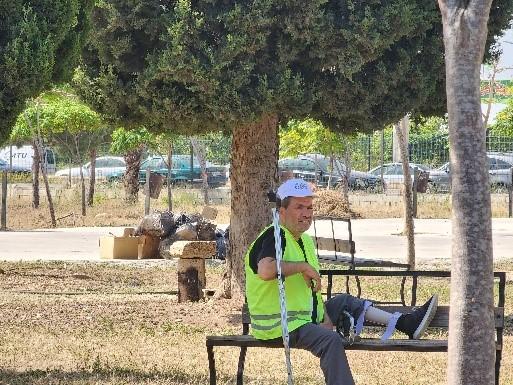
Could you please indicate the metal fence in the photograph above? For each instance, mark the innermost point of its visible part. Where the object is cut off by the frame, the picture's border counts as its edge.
(368, 152)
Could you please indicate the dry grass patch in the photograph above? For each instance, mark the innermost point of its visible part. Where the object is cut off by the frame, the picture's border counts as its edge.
(116, 327)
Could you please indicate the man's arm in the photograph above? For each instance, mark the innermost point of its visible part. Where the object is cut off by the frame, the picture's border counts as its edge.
(267, 271)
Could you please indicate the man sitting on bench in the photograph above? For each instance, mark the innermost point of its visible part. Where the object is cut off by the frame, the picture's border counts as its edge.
(309, 319)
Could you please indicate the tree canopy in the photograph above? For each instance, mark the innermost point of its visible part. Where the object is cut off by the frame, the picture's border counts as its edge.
(209, 65)
(62, 120)
(40, 43)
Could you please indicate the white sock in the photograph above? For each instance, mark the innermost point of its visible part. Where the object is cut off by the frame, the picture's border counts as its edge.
(377, 316)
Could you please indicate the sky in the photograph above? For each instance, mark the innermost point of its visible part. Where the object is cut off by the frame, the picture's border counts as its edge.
(506, 60)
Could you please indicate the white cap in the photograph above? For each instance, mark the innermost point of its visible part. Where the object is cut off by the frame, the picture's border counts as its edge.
(294, 188)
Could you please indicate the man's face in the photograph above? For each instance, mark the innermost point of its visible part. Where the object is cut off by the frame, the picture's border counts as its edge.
(297, 217)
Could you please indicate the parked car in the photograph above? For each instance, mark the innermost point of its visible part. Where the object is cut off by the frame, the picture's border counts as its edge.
(393, 174)
(4, 165)
(180, 172)
(105, 167)
(23, 157)
(498, 169)
(315, 168)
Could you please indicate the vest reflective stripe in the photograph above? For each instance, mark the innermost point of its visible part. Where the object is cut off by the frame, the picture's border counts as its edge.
(263, 297)
(274, 325)
(278, 316)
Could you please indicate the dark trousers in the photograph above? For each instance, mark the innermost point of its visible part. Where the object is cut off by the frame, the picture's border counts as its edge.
(328, 346)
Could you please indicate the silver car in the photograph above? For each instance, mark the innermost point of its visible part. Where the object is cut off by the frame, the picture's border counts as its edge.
(105, 166)
(498, 169)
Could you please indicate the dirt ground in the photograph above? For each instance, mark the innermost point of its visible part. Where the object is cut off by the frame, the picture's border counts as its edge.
(78, 295)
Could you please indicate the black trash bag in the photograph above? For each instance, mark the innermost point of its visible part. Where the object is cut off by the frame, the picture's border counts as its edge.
(221, 246)
(168, 223)
(183, 218)
(157, 224)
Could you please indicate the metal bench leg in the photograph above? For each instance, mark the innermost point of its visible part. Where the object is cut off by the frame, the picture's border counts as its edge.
(211, 364)
(498, 356)
(240, 366)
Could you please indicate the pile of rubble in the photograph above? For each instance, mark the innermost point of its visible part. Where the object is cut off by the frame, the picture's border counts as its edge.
(331, 203)
(168, 228)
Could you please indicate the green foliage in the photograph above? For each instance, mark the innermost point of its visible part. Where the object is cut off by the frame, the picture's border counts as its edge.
(309, 136)
(125, 140)
(55, 112)
(504, 122)
(63, 121)
(40, 42)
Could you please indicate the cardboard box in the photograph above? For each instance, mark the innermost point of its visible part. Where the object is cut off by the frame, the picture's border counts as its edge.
(125, 247)
(148, 247)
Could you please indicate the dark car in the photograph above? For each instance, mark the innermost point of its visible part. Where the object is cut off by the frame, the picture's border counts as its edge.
(181, 171)
(315, 168)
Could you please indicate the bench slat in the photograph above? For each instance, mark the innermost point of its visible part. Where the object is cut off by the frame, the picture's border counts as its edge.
(334, 244)
(345, 260)
(423, 345)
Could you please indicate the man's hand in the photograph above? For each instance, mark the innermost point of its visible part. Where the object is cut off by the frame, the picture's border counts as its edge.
(312, 277)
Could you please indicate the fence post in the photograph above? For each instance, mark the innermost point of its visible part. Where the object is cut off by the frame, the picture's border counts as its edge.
(510, 193)
(3, 209)
(415, 184)
(147, 190)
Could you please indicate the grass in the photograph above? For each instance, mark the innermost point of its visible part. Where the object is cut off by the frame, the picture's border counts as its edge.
(112, 325)
(110, 209)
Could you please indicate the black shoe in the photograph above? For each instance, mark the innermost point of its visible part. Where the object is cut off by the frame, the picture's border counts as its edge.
(414, 324)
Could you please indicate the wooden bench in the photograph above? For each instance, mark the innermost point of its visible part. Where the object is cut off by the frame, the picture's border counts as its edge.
(441, 320)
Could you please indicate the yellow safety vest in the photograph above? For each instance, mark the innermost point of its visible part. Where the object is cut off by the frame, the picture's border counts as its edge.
(263, 298)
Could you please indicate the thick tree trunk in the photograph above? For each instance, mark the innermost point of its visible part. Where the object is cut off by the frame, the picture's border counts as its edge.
(471, 320)
(409, 227)
(131, 179)
(36, 166)
(253, 173)
(92, 177)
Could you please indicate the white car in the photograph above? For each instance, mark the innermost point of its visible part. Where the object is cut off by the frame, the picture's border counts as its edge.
(105, 166)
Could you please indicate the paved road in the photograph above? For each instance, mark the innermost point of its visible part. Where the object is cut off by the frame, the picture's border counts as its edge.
(374, 238)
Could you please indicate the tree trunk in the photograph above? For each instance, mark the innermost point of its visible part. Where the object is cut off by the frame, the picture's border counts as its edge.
(83, 190)
(92, 177)
(200, 152)
(253, 173)
(471, 320)
(170, 178)
(36, 166)
(409, 227)
(41, 153)
(131, 179)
